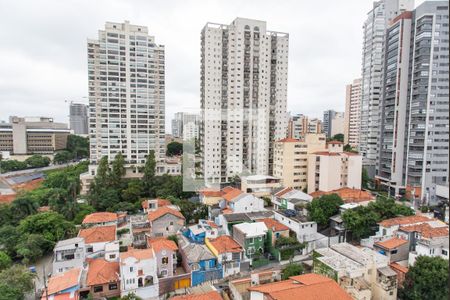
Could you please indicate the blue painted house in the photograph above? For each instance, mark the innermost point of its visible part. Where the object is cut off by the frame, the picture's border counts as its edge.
(204, 229)
(200, 261)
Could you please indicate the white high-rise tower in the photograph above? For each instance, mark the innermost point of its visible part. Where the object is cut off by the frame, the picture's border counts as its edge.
(244, 70)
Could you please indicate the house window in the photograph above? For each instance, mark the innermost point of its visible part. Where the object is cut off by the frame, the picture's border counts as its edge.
(444, 252)
(112, 256)
(250, 250)
(90, 249)
(250, 241)
(98, 289)
(394, 251)
(131, 269)
(164, 273)
(165, 260)
(112, 286)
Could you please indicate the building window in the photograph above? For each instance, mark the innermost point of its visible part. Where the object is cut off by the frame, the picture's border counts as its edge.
(165, 260)
(164, 273)
(98, 289)
(444, 252)
(112, 286)
(394, 251)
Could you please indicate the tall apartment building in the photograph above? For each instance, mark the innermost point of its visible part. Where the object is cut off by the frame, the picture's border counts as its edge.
(333, 123)
(415, 104)
(333, 169)
(244, 69)
(352, 115)
(126, 94)
(299, 125)
(32, 135)
(79, 119)
(185, 125)
(372, 63)
(291, 159)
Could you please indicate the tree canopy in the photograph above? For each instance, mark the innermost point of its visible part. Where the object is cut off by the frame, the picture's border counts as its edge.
(174, 149)
(426, 279)
(15, 282)
(290, 270)
(322, 208)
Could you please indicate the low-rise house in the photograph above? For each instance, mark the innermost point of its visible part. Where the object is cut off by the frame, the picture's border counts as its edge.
(199, 261)
(349, 195)
(362, 272)
(238, 202)
(138, 273)
(212, 295)
(102, 219)
(239, 287)
(260, 185)
(96, 238)
(64, 285)
(68, 254)
(226, 221)
(252, 237)
(140, 229)
(290, 198)
(103, 278)
(149, 205)
(210, 197)
(394, 248)
(204, 229)
(389, 227)
(166, 256)
(305, 230)
(275, 229)
(165, 221)
(307, 286)
(228, 253)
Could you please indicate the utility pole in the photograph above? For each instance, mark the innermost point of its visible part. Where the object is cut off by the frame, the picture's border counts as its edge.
(45, 282)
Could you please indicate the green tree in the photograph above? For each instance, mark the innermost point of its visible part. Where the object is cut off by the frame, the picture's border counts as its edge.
(338, 137)
(123, 206)
(15, 282)
(133, 191)
(117, 170)
(12, 165)
(426, 279)
(78, 146)
(22, 207)
(9, 238)
(62, 157)
(322, 208)
(366, 181)
(37, 161)
(6, 216)
(51, 225)
(131, 296)
(174, 149)
(5, 260)
(83, 211)
(360, 221)
(149, 173)
(32, 247)
(290, 270)
(103, 198)
(102, 171)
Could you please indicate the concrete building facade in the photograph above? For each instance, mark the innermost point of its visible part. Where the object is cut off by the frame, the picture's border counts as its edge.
(79, 118)
(32, 135)
(372, 64)
(333, 123)
(291, 159)
(352, 116)
(126, 94)
(299, 125)
(243, 98)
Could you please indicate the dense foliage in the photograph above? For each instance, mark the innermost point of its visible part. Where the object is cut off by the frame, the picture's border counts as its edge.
(34, 161)
(426, 279)
(15, 282)
(362, 220)
(322, 208)
(290, 270)
(174, 149)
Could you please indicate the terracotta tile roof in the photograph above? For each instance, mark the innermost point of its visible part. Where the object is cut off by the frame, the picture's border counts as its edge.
(288, 140)
(326, 153)
(212, 224)
(64, 281)
(308, 286)
(161, 211)
(100, 217)
(102, 271)
(399, 267)
(98, 234)
(227, 210)
(160, 244)
(409, 220)
(274, 225)
(230, 193)
(211, 193)
(435, 232)
(7, 198)
(225, 244)
(283, 191)
(161, 203)
(391, 243)
(139, 254)
(213, 295)
(348, 195)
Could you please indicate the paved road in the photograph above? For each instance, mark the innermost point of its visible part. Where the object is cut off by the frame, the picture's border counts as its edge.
(45, 263)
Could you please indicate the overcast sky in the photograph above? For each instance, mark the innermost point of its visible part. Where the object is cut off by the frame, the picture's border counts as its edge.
(44, 62)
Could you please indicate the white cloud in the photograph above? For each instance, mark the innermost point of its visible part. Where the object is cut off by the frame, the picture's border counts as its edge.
(43, 48)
